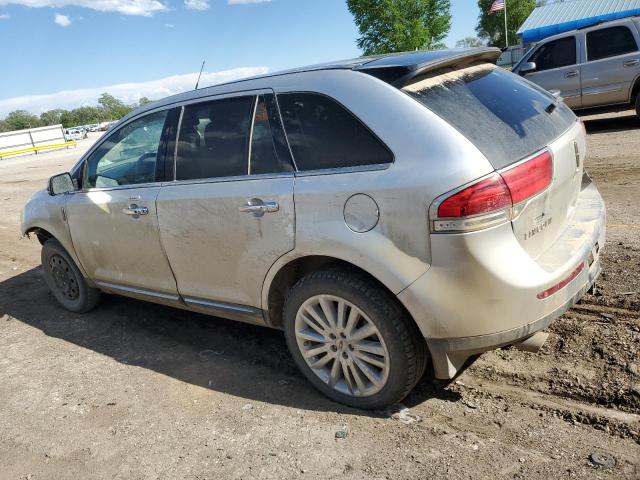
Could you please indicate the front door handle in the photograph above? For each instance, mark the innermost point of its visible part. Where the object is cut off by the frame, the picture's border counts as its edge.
(571, 74)
(135, 211)
(631, 63)
(258, 208)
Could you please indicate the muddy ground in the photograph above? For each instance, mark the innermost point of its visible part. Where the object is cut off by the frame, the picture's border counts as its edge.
(134, 390)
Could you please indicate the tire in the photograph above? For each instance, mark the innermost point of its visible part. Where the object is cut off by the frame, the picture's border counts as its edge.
(65, 281)
(638, 104)
(400, 350)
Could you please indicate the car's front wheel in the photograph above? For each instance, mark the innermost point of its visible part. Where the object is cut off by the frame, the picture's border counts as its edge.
(65, 280)
(352, 340)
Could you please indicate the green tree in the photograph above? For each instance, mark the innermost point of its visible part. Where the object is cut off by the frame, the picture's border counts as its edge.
(491, 26)
(20, 119)
(469, 42)
(51, 117)
(143, 101)
(388, 26)
(115, 108)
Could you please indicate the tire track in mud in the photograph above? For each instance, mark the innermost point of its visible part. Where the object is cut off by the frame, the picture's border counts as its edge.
(612, 421)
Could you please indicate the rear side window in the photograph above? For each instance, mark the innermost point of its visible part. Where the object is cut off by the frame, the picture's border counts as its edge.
(555, 54)
(610, 42)
(503, 115)
(213, 140)
(323, 134)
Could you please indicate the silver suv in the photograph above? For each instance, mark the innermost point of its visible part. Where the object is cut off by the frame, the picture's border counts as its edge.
(384, 212)
(595, 69)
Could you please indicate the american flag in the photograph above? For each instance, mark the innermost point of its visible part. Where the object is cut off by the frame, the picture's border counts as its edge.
(496, 6)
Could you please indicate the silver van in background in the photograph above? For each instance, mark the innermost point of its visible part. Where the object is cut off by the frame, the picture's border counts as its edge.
(596, 69)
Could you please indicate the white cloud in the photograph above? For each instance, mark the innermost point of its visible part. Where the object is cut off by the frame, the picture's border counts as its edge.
(4, 16)
(62, 20)
(169, 25)
(127, 92)
(127, 7)
(241, 2)
(197, 4)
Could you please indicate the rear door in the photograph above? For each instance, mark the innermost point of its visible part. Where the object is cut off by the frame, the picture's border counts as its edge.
(229, 213)
(613, 63)
(557, 68)
(113, 220)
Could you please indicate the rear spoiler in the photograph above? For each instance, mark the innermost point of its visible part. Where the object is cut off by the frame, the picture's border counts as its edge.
(401, 75)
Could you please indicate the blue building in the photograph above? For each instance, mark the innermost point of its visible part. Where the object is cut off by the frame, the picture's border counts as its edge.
(562, 16)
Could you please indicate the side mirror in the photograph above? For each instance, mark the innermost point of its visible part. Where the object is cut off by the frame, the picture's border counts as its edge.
(61, 183)
(527, 67)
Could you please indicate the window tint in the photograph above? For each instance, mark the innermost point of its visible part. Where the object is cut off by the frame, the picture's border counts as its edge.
(559, 53)
(264, 149)
(129, 155)
(322, 134)
(610, 42)
(214, 139)
(505, 127)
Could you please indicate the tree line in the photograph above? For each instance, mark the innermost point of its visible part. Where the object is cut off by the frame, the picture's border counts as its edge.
(109, 108)
(385, 26)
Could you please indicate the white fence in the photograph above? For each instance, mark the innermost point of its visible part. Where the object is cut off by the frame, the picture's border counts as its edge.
(31, 140)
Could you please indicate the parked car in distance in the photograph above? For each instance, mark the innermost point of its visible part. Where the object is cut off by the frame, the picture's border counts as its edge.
(74, 134)
(384, 212)
(596, 69)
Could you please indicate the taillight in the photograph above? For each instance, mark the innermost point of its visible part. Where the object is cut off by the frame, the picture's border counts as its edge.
(485, 196)
(489, 201)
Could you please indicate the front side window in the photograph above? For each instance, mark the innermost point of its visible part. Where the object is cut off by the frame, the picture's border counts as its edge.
(610, 42)
(128, 156)
(555, 54)
(322, 134)
(213, 140)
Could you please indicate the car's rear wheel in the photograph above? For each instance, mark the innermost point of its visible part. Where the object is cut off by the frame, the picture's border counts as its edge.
(352, 339)
(65, 280)
(638, 104)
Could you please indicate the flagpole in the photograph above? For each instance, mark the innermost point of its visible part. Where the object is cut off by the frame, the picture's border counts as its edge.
(506, 33)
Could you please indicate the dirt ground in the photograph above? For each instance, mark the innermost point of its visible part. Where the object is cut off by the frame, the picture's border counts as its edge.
(137, 391)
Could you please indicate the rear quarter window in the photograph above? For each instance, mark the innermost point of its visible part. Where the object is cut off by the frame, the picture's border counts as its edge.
(323, 134)
(506, 117)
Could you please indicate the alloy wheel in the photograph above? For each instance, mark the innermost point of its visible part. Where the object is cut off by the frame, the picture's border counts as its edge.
(341, 345)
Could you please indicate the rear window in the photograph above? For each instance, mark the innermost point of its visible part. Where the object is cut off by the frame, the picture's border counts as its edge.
(505, 116)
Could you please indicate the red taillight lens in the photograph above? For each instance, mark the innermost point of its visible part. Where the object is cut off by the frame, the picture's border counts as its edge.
(529, 178)
(501, 190)
(482, 197)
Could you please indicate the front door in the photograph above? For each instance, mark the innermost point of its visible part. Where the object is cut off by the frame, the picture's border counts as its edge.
(229, 215)
(557, 68)
(113, 219)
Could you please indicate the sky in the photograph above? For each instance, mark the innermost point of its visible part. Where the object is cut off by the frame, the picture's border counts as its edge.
(65, 53)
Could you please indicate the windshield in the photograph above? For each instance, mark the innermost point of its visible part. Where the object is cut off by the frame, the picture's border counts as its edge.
(507, 118)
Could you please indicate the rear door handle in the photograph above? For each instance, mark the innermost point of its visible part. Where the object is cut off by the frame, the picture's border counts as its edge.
(571, 74)
(135, 211)
(258, 208)
(631, 63)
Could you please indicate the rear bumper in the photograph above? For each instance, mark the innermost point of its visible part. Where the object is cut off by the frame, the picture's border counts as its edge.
(449, 354)
(481, 290)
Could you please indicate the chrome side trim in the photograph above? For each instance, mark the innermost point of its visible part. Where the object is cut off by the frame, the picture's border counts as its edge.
(232, 311)
(237, 178)
(125, 290)
(333, 171)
